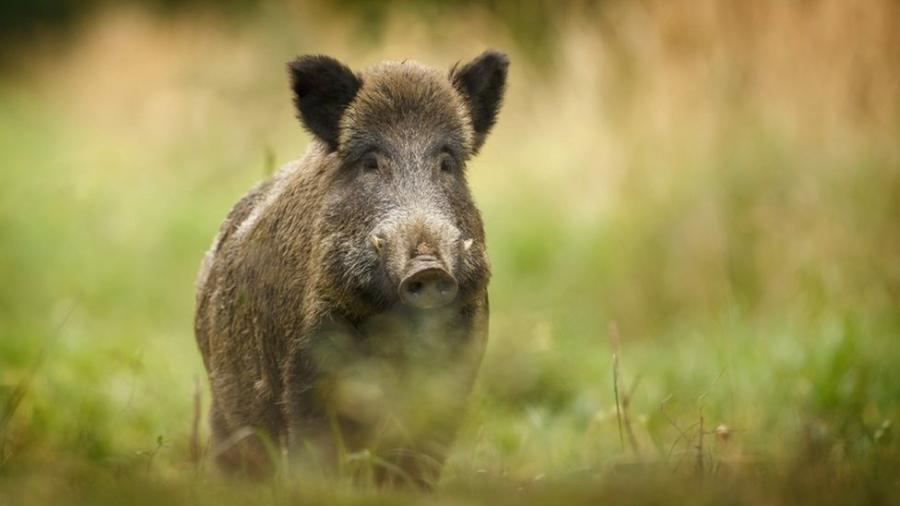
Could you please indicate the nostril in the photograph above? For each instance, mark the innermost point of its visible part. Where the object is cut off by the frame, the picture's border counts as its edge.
(444, 286)
(415, 287)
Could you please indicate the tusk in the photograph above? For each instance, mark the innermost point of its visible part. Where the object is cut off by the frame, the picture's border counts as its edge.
(377, 242)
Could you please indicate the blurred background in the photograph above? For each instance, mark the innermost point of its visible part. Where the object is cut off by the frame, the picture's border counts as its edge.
(692, 210)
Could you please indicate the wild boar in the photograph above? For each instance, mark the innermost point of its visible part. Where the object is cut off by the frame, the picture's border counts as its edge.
(343, 304)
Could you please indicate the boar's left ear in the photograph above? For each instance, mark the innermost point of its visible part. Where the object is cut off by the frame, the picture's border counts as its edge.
(482, 82)
(323, 88)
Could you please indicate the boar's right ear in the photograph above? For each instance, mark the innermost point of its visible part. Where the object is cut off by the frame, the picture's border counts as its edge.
(482, 82)
(323, 88)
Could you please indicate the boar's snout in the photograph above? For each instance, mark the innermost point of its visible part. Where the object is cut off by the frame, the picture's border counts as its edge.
(427, 284)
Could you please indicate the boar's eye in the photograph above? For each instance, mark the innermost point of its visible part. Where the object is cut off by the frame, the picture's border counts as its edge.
(448, 163)
(370, 163)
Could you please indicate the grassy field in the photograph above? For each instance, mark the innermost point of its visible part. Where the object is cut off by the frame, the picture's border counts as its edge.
(707, 195)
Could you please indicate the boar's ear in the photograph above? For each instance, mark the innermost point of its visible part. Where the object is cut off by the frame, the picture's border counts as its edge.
(482, 82)
(323, 87)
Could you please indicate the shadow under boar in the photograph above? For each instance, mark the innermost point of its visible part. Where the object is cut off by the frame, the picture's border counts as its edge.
(343, 305)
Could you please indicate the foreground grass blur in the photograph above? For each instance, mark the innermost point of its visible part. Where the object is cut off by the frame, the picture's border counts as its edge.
(720, 184)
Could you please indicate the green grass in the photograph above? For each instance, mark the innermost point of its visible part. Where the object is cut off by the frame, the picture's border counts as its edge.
(752, 273)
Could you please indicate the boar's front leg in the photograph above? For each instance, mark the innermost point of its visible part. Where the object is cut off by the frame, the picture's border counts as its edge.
(316, 431)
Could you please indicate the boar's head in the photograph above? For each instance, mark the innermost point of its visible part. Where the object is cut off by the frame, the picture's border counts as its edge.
(398, 225)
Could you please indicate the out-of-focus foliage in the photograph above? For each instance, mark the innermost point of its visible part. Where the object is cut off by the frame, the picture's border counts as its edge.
(22, 21)
(719, 181)
(534, 26)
